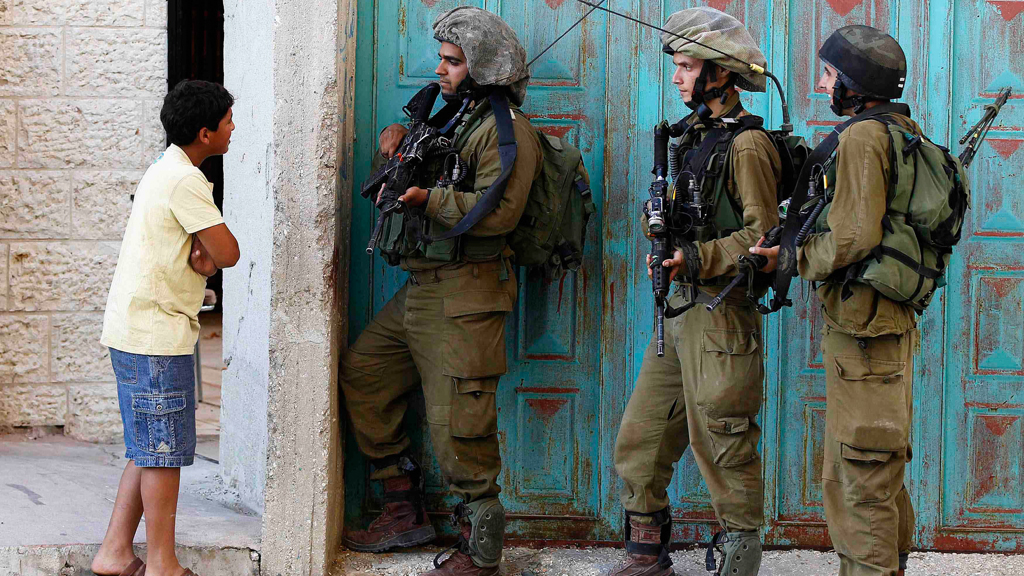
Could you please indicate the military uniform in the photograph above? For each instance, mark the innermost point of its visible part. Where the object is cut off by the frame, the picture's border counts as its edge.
(443, 332)
(706, 391)
(868, 347)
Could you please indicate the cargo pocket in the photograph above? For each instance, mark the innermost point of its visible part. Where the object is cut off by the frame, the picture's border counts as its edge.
(474, 339)
(474, 411)
(865, 474)
(868, 404)
(159, 421)
(729, 443)
(731, 373)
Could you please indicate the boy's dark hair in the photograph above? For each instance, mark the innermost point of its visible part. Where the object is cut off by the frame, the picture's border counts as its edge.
(191, 106)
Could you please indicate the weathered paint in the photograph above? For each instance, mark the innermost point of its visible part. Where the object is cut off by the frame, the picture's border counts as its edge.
(576, 343)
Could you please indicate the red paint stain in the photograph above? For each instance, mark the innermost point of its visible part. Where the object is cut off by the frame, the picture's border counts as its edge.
(611, 296)
(998, 425)
(1009, 9)
(547, 407)
(548, 390)
(1003, 286)
(577, 117)
(843, 7)
(1004, 146)
(822, 123)
(992, 405)
(429, 3)
(719, 4)
(556, 131)
(554, 3)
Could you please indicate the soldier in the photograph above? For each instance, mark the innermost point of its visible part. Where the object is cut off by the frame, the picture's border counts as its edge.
(444, 331)
(707, 389)
(868, 339)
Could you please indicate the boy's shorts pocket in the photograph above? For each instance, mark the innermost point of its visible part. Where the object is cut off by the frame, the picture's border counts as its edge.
(160, 422)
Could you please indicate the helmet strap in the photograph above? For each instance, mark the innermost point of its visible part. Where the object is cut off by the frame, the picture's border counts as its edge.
(840, 102)
(701, 95)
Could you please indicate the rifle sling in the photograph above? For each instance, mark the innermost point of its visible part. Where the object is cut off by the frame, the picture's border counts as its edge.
(507, 149)
(787, 268)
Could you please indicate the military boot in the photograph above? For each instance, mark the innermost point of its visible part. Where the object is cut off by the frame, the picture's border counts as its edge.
(741, 553)
(481, 527)
(404, 521)
(647, 546)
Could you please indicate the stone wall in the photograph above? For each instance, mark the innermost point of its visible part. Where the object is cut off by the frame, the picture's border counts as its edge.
(81, 84)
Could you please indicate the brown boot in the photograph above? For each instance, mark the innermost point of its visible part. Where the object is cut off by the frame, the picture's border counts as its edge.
(646, 551)
(403, 523)
(460, 563)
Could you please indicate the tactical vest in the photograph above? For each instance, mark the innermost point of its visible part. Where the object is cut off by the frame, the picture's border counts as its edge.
(702, 158)
(397, 244)
(926, 203)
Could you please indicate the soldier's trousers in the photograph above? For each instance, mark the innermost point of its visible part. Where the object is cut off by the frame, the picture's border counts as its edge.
(444, 332)
(867, 446)
(704, 393)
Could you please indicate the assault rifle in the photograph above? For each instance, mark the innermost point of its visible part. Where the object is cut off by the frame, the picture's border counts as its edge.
(976, 135)
(401, 170)
(657, 230)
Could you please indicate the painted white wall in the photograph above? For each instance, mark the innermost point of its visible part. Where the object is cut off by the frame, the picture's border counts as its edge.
(249, 213)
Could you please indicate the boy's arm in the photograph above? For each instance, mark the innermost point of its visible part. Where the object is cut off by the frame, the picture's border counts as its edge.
(219, 244)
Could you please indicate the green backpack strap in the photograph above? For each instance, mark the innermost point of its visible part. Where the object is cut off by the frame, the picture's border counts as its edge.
(507, 151)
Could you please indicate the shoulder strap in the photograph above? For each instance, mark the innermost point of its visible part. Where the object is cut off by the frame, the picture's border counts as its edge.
(507, 150)
(787, 268)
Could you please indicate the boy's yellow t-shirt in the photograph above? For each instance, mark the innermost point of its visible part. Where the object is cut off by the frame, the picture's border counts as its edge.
(154, 299)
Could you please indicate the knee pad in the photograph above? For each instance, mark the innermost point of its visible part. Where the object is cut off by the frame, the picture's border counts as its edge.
(487, 536)
(741, 553)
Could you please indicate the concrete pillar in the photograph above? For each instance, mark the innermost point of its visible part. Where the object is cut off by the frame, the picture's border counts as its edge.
(291, 65)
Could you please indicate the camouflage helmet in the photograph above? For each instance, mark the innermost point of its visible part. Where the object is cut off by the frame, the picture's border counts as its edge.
(494, 54)
(868, 60)
(719, 31)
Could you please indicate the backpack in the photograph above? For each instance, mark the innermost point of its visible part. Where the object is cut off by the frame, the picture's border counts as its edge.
(926, 205)
(553, 229)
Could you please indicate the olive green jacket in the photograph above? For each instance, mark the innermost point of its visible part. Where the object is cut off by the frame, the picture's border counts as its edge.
(863, 173)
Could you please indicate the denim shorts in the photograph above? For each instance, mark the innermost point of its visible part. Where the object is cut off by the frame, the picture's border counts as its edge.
(157, 396)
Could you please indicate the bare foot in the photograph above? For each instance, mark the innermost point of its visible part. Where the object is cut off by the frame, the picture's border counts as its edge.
(112, 562)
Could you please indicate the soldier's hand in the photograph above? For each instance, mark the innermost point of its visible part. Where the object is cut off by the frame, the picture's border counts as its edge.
(676, 263)
(414, 196)
(772, 254)
(391, 139)
(379, 192)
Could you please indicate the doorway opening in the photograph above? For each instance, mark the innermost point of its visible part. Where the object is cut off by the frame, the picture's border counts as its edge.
(195, 51)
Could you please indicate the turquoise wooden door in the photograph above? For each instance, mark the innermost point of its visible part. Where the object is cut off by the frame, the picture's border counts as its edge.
(549, 401)
(576, 342)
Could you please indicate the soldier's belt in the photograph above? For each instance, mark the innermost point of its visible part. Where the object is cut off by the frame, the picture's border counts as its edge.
(420, 277)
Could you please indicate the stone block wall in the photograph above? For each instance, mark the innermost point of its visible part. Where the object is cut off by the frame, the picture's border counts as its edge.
(81, 84)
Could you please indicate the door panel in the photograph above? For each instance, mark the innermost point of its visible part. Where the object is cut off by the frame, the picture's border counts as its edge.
(983, 409)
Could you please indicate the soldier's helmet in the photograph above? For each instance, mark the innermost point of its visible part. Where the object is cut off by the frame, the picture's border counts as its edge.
(494, 55)
(728, 42)
(869, 61)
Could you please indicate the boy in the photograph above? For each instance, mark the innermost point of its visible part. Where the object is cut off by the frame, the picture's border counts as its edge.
(175, 239)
